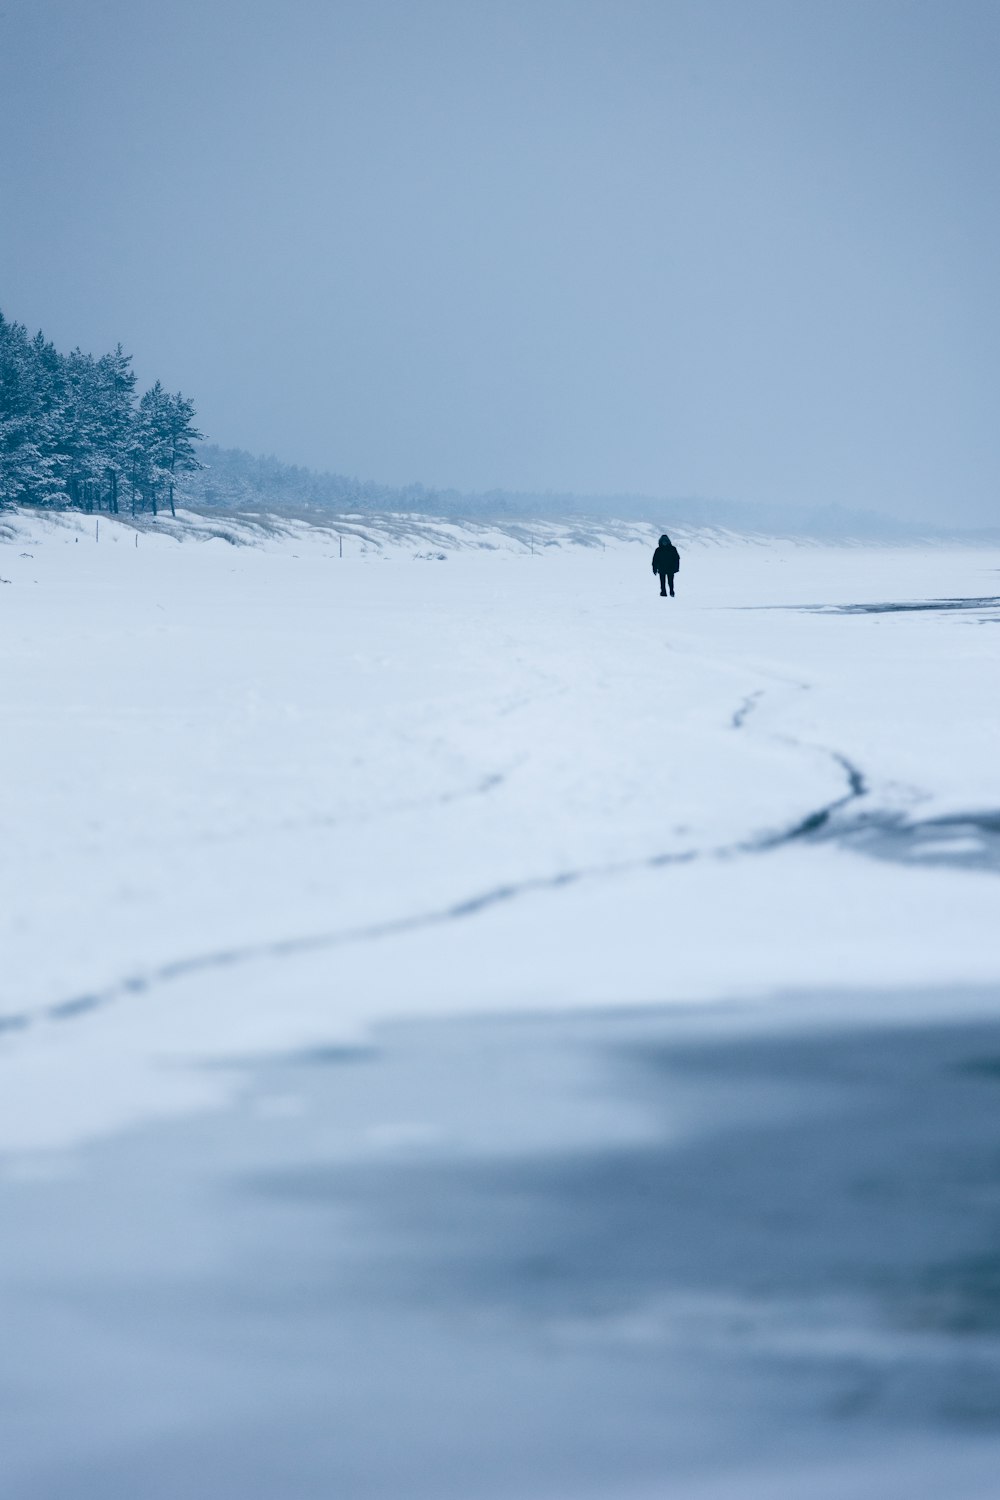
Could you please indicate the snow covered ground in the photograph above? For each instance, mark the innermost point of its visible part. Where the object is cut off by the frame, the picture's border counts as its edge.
(269, 790)
(259, 796)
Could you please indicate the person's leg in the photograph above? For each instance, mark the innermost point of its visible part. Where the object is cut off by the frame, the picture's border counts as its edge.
(663, 583)
(670, 580)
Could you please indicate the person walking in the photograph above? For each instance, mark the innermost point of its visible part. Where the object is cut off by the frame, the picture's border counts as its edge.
(666, 562)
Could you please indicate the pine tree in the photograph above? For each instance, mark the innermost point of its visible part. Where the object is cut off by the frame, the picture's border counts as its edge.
(71, 432)
(115, 392)
(19, 456)
(181, 438)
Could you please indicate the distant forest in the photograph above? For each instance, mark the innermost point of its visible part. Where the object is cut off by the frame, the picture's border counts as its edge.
(232, 480)
(72, 432)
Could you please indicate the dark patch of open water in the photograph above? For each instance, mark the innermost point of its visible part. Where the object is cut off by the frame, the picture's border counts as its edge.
(523, 1258)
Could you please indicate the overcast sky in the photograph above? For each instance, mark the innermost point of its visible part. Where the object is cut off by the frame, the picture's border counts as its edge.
(725, 248)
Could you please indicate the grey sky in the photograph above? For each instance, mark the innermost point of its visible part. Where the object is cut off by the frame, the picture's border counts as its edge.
(739, 248)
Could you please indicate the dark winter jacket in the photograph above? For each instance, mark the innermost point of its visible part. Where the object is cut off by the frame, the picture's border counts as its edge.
(666, 558)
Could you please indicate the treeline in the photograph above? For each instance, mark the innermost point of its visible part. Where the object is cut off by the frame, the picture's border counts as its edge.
(72, 432)
(238, 482)
(231, 479)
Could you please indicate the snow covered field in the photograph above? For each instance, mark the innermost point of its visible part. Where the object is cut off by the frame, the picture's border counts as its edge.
(258, 796)
(264, 800)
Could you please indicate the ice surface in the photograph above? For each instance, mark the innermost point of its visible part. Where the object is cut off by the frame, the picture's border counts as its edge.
(659, 1253)
(448, 980)
(267, 794)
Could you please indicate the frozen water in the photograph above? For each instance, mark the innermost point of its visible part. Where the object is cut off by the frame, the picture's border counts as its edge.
(540, 1257)
(264, 791)
(281, 824)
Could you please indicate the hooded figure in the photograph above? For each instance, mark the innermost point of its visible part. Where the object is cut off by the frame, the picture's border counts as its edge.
(666, 562)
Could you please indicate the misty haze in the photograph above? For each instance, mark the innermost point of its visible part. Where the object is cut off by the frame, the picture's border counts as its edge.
(500, 876)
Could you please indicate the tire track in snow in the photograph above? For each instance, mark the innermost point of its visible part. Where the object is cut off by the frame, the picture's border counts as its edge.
(227, 958)
(966, 840)
(857, 787)
(746, 708)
